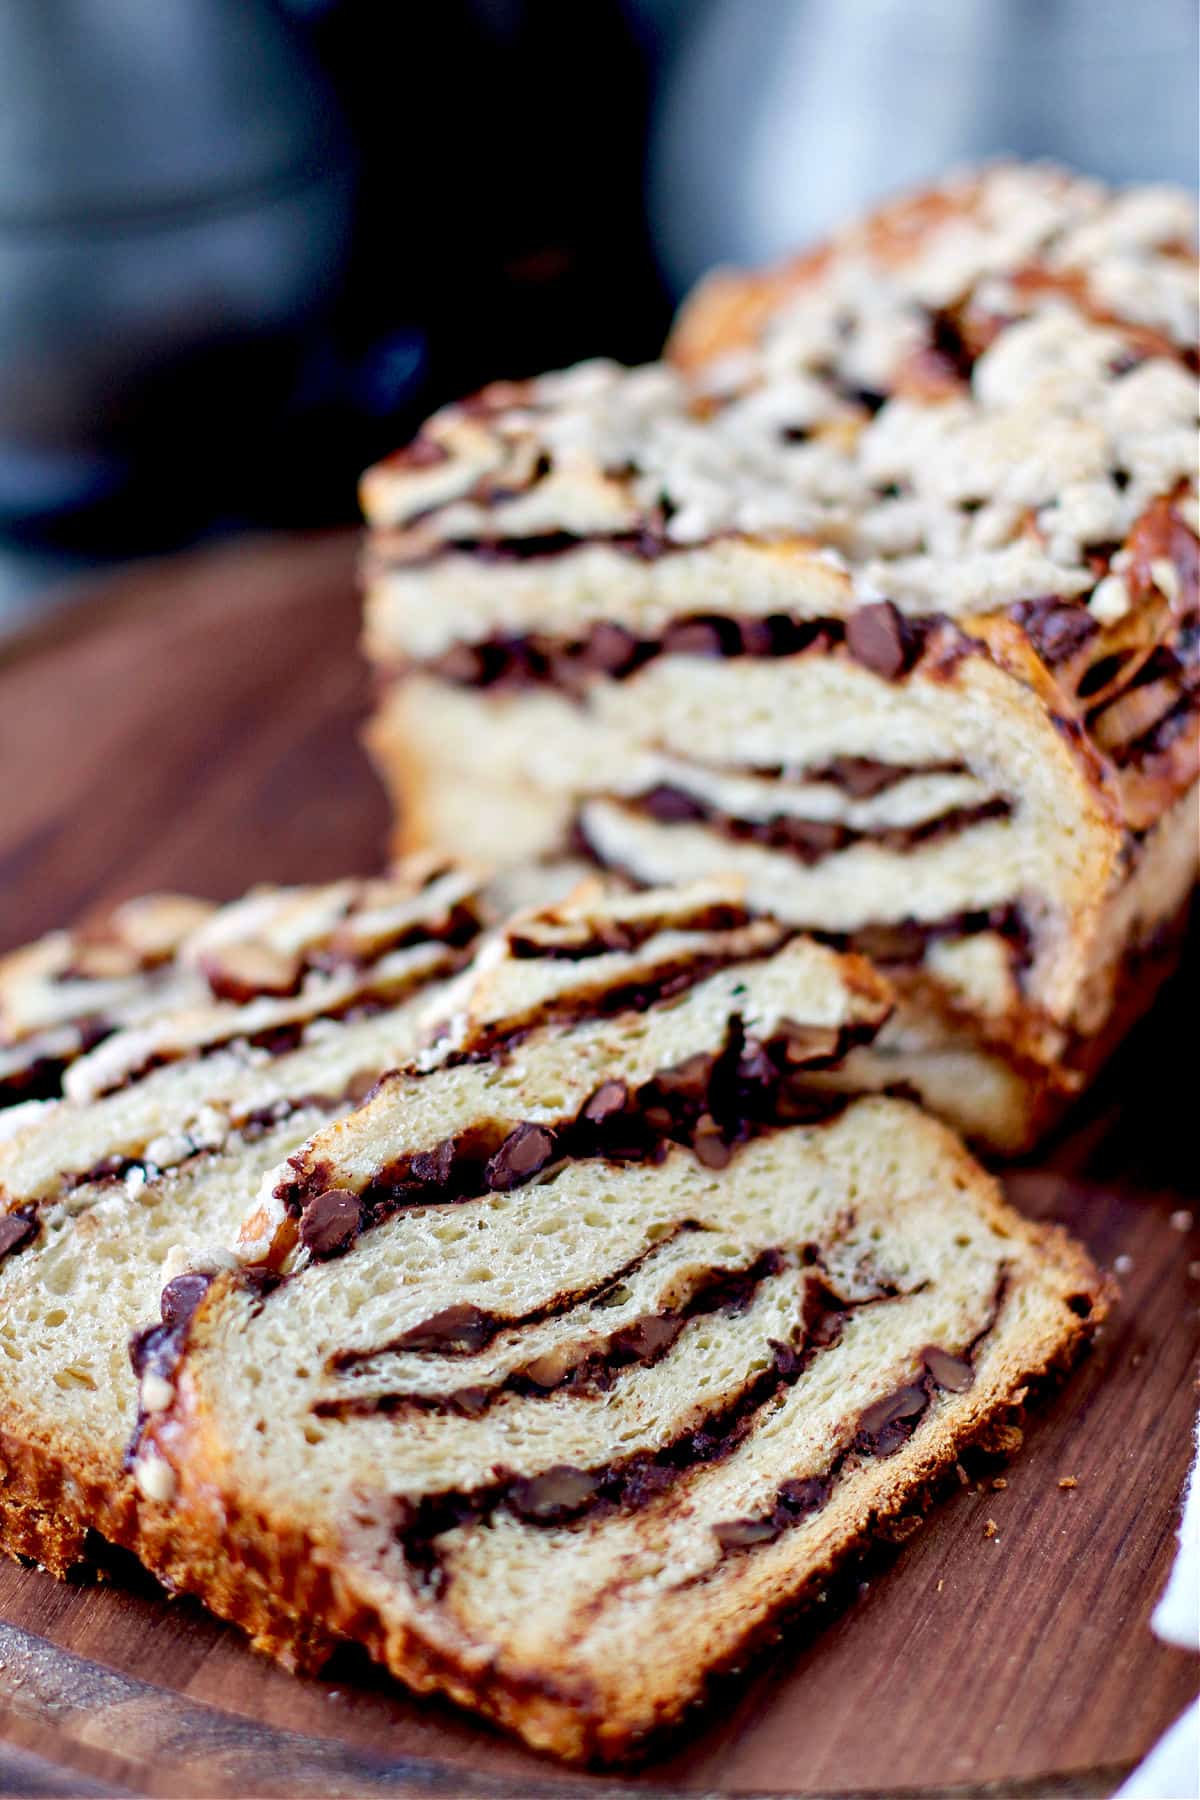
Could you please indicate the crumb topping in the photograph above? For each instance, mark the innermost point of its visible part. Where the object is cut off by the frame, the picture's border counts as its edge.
(969, 399)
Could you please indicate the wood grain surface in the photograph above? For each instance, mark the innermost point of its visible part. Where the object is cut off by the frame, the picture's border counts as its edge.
(195, 725)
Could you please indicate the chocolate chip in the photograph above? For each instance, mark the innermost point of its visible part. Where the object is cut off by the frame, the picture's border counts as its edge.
(463, 663)
(709, 1144)
(143, 1346)
(609, 1099)
(523, 1153)
(16, 1230)
(890, 1422)
(805, 1495)
(433, 1168)
(182, 1296)
(552, 1496)
(670, 805)
(688, 1079)
(809, 839)
(758, 637)
(861, 776)
(1056, 628)
(950, 1372)
(879, 637)
(905, 1403)
(471, 1402)
(756, 1073)
(616, 939)
(330, 1221)
(360, 1085)
(698, 637)
(645, 1338)
(610, 649)
(740, 1534)
(457, 1330)
(823, 1313)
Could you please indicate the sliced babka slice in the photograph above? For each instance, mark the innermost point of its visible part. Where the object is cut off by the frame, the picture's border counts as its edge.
(297, 1001)
(894, 610)
(558, 1369)
(70, 990)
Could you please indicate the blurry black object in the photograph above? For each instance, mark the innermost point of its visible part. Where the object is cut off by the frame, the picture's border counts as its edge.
(174, 211)
(501, 221)
(198, 323)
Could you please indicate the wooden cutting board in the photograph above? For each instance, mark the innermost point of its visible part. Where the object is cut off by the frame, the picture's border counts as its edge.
(194, 725)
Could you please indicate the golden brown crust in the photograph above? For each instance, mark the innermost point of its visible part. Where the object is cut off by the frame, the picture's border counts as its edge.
(60, 1515)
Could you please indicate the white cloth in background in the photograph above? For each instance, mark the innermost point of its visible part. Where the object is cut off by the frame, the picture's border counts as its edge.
(1177, 1615)
(1172, 1769)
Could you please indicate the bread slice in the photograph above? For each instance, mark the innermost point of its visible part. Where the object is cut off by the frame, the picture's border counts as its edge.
(883, 593)
(70, 990)
(275, 1014)
(559, 1368)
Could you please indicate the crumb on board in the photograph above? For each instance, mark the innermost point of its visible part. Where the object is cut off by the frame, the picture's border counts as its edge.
(999, 1484)
(1183, 1219)
(1067, 1481)
(941, 1584)
(1122, 1264)
(991, 1529)
(962, 1474)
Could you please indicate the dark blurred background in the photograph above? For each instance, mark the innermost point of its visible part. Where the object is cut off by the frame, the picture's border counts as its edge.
(246, 244)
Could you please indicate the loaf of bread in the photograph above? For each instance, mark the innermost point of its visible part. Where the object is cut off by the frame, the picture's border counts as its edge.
(274, 1014)
(883, 592)
(562, 1366)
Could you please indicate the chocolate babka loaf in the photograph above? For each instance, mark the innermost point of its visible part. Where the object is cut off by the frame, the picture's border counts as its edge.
(562, 1365)
(276, 1013)
(884, 593)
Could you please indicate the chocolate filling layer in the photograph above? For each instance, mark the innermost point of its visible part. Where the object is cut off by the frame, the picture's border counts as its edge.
(639, 991)
(712, 1102)
(646, 545)
(282, 1038)
(862, 777)
(40, 1076)
(878, 635)
(890, 943)
(564, 1494)
(464, 1330)
(588, 1368)
(605, 937)
(881, 1429)
(809, 840)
